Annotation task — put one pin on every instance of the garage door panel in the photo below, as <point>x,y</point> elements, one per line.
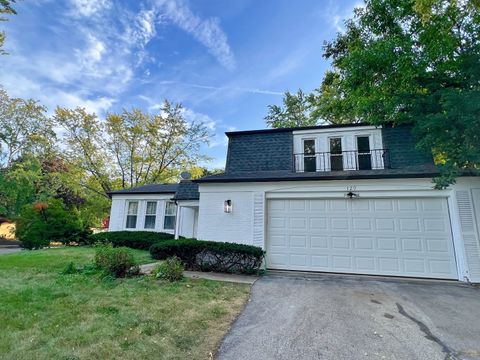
<point>406,237</point>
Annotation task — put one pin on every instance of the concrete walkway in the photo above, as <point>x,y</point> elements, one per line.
<point>241,279</point>
<point>356,318</point>
<point>9,250</point>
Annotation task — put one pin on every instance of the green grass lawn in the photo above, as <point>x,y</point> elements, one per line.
<point>47,315</point>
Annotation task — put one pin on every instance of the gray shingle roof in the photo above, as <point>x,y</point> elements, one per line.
<point>187,190</point>
<point>267,155</point>
<point>149,189</point>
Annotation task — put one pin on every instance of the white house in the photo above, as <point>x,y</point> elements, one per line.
<point>344,199</point>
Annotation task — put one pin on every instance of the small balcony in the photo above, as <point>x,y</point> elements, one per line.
<point>341,161</point>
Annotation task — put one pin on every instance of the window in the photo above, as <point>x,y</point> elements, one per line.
<point>150,215</point>
<point>336,156</point>
<point>132,215</point>
<point>169,221</point>
<point>309,156</point>
<point>364,155</point>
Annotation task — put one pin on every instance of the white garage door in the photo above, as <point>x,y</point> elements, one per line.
<point>403,237</point>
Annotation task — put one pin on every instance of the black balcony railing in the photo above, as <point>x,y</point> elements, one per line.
<point>342,161</point>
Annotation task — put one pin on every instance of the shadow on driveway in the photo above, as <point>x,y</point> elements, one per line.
<point>337,317</point>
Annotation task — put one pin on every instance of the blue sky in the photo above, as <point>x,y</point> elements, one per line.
<point>224,60</point>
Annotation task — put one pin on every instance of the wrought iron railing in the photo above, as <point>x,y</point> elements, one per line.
<point>342,161</point>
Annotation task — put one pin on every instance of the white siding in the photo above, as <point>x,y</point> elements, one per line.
<point>216,225</point>
<point>244,224</point>
<point>468,200</point>
<point>258,219</point>
<point>187,221</point>
<point>117,215</point>
<point>119,209</point>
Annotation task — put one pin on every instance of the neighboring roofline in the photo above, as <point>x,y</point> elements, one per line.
<point>266,131</point>
<point>119,192</point>
<point>324,177</point>
<point>111,193</point>
<point>185,199</point>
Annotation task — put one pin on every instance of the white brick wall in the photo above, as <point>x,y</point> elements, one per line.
<point>216,225</point>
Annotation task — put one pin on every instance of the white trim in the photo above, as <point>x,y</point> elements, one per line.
<point>460,258</point>
<point>363,194</point>
<point>340,129</point>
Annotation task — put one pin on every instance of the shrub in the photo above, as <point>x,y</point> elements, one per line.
<point>118,262</point>
<point>41,223</point>
<point>211,255</point>
<point>70,269</point>
<point>132,239</point>
<point>170,270</point>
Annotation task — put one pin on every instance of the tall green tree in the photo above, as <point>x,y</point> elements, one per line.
<point>133,147</point>
<point>405,62</point>
<point>296,111</point>
<point>6,8</point>
<point>411,62</point>
<point>24,129</point>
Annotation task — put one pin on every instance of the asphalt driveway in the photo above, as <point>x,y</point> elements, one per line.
<point>336,317</point>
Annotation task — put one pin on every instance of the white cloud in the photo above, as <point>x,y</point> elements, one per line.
<point>224,88</point>
<point>21,86</point>
<point>92,53</point>
<point>335,16</point>
<point>208,32</point>
<point>88,8</point>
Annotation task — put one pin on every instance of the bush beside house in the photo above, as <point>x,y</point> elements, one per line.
<point>42,223</point>
<point>142,240</point>
<point>211,255</point>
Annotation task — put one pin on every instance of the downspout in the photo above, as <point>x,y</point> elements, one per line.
<point>177,219</point>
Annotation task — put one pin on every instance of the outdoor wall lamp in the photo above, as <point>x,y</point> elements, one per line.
<point>351,195</point>
<point>227,206</point>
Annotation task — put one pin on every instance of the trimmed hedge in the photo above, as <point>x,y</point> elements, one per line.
<point>133,239</point>
<point>211,255</point>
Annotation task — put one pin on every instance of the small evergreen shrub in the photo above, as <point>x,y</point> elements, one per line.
<point>118,262</point>
<point>211,255</point>
<point>170,270</point>
<point>133,239</point>
<point>41,223</point>
<point>70,269</point>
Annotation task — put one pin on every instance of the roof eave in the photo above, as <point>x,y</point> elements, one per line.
<point>325,178</point>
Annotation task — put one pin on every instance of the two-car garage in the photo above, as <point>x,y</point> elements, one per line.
<point>381,236</point>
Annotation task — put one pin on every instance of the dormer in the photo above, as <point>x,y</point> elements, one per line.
<point>339,149</point>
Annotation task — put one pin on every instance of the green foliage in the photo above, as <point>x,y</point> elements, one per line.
<point>118,262</point>
<point>132,239</point>
<point>42,223</point>
<point>133,147</point>
<point>416,62</point>
<point>5,8</point>
<point>170,270</point>
<point>211,255</point>
<point>296,111</point>
<point>70,269</point>
<point>25,129</point>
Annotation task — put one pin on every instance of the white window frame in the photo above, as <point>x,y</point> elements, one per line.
<point>328,164</point>
<point>174,215</point>
<point>154,215</point>
<point>314,155</point>
<point>128,214</point>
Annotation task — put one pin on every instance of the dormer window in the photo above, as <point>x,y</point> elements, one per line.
<point>336,155</point>
<point>309,155</point>
<point>364,155</point>
<point>339,149</point>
